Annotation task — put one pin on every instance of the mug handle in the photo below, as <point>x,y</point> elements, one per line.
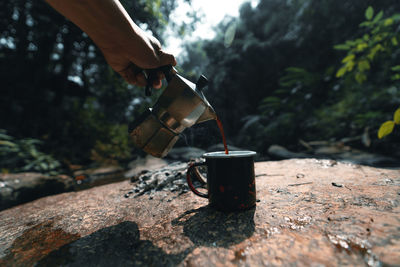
<point>193,169</point>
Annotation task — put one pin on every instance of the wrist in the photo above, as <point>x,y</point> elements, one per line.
<point>106,22</point>
<point>116,37</point>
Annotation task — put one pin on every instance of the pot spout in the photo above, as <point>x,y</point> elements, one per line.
<point>208,114</point>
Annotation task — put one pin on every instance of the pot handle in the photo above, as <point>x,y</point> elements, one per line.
<point>151,76</point>
<point>193,170</point>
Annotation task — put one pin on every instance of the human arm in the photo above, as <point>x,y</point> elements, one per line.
<point>126,47</point>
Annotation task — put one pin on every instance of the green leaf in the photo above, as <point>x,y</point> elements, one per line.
<point>341,47</point>
<point>4,136</point>
<point>377,38</point>
<point>348,58</point>
<point>34,153</point>
<point>295,70</point>
<point>378,17</point>
<point>396,17</point>
<point>43,166</point>
<point>28,166</point>
<point>281,91</point>
<point>351,43</point>
<point>385,129</point>
<point>396,68</point>
<point>388,22</point>
<point>395,77</point>
<point>363,65</point>
<point>394,41</point>
<point>369,13</point>
<point>361,47</point>
<point>350,65</point>
<point>360,77</point>
<point>271,99</point>
<point>7,143</point>
<point>365,24</point>
<point>374,50</point>
<point>341,72</point>
<point>397,116</point>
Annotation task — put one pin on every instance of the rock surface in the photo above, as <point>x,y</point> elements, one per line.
<point>336,152</point>
<point>282,153</point>
<point>88,178</point>
<point>20,188</point>
<point>310,213</point>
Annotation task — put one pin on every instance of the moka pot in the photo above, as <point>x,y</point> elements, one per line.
<point>181,105</point>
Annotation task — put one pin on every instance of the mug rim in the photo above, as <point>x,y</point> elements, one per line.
<point>232,154</point>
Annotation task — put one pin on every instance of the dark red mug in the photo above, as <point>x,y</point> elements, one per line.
<point>231,184</point>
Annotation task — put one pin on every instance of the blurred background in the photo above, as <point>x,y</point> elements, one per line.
<point>301,77</point>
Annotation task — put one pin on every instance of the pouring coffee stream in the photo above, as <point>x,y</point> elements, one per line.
<point>221,129</point>
<point>181,105</point>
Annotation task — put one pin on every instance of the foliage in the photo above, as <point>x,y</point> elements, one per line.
<point>388,126</point>
<point>115,148</point>
<point>59,88</point>
<point>379,42</point>
<point>19,155</point>
<point>380,37</point>
<point>294,92</point>
<point>276,80</point>
<point>272,76</point>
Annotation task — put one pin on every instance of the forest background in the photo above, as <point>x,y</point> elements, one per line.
<point>283,72</point>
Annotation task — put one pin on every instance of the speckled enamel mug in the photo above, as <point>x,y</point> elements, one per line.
<point>230,182</point>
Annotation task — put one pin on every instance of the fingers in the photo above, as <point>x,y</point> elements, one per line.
<point>155,79</point>
<point>166,59</point>
<point>135,76</point>
<point>129,75</point>
<point>141,79</point>
<point>163,57</point>
<point>158,82</point>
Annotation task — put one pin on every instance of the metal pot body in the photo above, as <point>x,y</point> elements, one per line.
<point>180,106</point>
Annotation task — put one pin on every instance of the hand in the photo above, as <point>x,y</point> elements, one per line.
<point>127,48</point>
<point>137,54</point>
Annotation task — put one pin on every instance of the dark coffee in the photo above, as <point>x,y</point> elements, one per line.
<point>221,129</point>
<point>230,180</point>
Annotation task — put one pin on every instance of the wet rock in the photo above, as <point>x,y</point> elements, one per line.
<point>355,156</point>
<point>311,224</point>
<point>336,152</point>
<point>279,152</point>
<point>88,178</point>
<point>364,158</point>
<point>20,188</point>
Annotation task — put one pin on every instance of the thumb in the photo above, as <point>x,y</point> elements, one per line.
<point>166,59</point>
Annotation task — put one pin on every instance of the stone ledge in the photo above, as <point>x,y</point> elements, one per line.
<point>18,188</point>
<point>311,212</point>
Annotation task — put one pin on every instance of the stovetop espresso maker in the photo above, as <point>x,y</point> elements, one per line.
<point>181,105</point>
